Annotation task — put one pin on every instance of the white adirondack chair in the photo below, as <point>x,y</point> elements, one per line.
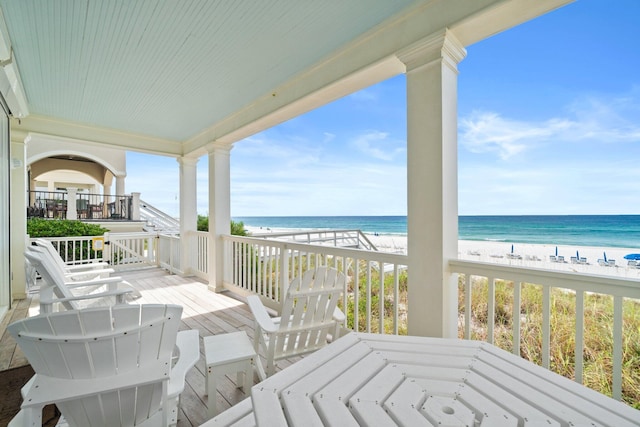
<point>57,290</point>
<point>106,366</point>
<point>75,272</point>
<point>309,314</point>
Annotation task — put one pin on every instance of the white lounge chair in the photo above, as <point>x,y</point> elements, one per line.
<point>75,272</point>
<point>309,315</point>
<point>77,294</point>
<point>108,366</point>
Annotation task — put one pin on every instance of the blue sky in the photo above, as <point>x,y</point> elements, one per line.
<point>549,123</point>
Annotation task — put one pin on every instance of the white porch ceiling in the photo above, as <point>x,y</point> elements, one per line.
<point>167,73</point>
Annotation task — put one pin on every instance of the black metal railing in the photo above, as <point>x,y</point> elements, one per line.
<point>54,204</point>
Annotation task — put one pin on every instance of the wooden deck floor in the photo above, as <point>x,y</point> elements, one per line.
<point>206,311</point>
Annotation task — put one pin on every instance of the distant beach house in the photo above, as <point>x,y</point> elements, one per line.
<point>71,179</point>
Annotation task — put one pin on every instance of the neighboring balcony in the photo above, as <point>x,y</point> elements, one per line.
<point>83,206</point>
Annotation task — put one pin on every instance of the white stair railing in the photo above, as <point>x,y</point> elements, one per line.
<point>158,219</point>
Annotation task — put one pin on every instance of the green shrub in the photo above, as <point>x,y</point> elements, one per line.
<point>69,251</point>
<point>203,223</point>
<point>237,228</point>
<point>38,227</point>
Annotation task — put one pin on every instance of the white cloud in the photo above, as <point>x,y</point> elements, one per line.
<point>601,120</point>
<point>489,132</point>
<point>364,95</point>
<point>378,145</point>
<point>328,137</point>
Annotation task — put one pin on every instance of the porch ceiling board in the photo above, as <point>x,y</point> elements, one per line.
<point>170,77</point>
<point>171,69</point>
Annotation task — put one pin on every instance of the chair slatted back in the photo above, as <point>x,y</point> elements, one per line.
<point>55,280</point>
<point>307,312</point>
<point>103,343</point>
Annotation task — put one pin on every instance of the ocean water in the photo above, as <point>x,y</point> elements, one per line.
<point>622,231</point>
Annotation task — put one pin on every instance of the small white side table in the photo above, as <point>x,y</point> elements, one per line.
<point>226,354</point>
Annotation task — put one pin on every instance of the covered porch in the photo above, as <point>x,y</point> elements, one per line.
<point>423,39</point>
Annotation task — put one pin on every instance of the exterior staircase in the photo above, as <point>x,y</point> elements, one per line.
<point>157,220</point>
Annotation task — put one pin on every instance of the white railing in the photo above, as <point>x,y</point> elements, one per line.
<point>76,249</point>
<point>131,250</point>
<point>341,238</point>
<point>266,267</point>
<point>169,253</point>
<point>581,286</point>
<point>199,240</point>
<point>158,219</point>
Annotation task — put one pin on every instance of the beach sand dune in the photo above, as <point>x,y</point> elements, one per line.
<point>531,255</point>
<point>524,254</point>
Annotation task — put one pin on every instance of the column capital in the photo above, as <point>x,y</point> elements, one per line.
<point>439,46</point>
<point>216,147</point>
<point>187,161</point>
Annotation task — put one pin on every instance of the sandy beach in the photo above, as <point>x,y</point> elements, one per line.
<point>524,254</point>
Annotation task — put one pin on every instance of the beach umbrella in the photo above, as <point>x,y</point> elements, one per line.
<point>512,248</point>
<point>605,257</point>
<point>556,251</point>
<point>635,257</point>
<point>578,254</point>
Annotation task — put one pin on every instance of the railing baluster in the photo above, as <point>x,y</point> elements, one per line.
<point>546,326</point>
<point>381,298</point>
<point>491,308</point>
<point>517,292</point>
<point>368,296</point>
<point>579,350</point>
<point>617,348</point>
<point>467,306</point>
<point>396,299</point>
<point>356,295</point>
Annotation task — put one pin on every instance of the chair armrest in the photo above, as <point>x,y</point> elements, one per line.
<point>189,346</point>
<point>115,293</point>
<point>338,315</point>
<point>89,266</point>
<point>87,275</point>
<point>95,282</point>
<point>260,314</point>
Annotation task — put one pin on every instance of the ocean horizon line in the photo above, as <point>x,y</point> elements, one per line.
<point>621,231</point>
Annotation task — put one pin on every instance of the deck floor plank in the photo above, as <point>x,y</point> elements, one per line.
<point>208,312</point>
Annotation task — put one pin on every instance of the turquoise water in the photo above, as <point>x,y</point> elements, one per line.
<point>621,231</point>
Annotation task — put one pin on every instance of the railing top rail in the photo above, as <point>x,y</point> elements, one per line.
<point>133,235</point>
<point>304,232</point>
<point>610,285</point>
<point>385,257</point>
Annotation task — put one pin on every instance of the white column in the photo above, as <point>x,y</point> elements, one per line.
<point>135,206</point>
<point>119,194</point>
<point>432,184</point>
<point>219,211</point>
<point>188,211</point>
<point>120,185</point>
<point>18,219</point>
<point>32,192</point>
<point>72,211</point>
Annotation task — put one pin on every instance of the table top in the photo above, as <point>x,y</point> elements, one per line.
<point>225,348</point>
<point>384,380</point>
